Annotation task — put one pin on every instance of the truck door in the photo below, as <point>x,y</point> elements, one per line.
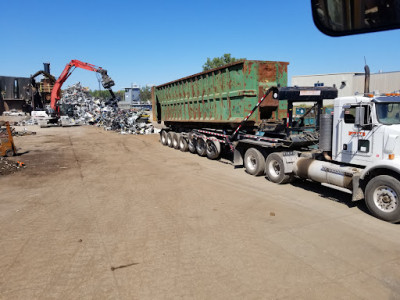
<point>356,142</point>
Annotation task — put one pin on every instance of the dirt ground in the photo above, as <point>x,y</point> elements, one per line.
<point>100,215</point>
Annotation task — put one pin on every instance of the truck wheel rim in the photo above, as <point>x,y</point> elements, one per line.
<point>211,148</point>
<point>251,162</point>
<point>386,199</point>
<point>274,169</point>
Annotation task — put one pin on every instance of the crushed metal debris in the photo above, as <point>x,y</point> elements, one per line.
<point>8,167</point>
<point>3,131</point>
<point>79,107</point>
<point>24,132</point>
<point>13,113</point>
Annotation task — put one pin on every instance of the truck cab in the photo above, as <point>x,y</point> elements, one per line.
<point>366,131</point>
<point>359,150</point>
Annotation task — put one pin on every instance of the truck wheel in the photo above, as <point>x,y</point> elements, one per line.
<point>183,144</point>
<point>169,138</point>
<point>213,149</point>
<point>382,198</point>
<point>175,140</point>
<point>254,162</point>
<point>163,137</point>
<point>201,147</point>
<point>275,169</point>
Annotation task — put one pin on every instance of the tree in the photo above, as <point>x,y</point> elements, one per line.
<point>219,61</point>
<point>105,94</point>
<point>145,94</point>
<point>101,94</point>
<point>120,94</point>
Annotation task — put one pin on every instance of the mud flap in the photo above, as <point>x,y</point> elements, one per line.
<point>358,193</point>
<point>237,158</point>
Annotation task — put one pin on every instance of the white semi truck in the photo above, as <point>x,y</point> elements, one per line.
<point>359,149</point>
<point>356,146</point>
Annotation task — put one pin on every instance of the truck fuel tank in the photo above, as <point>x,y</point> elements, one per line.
<point>325,172</point>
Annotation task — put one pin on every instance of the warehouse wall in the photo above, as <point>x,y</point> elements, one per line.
<point>349,84</point>
<point>380,82</point>
<point>343,82</point>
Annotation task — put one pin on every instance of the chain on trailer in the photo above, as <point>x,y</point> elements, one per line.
<point>275,95</point>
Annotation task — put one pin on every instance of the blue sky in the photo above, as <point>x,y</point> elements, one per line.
<point>153,42</point>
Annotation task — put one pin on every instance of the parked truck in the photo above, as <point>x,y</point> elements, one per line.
<point>245,110</point>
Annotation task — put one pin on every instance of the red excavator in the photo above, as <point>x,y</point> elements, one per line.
<point>106,81</point>
<point>53,115</point>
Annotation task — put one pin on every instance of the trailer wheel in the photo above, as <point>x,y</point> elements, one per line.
<point>201,147</point>
<point>175,140</point>
<point>382,198</point>
<point>213,149</point>
<point>275,169</point>
<point>254,162</point>
<point>192,144</point>
<point>163,138</point>
<point>183,144</point>
<point>169,138</point>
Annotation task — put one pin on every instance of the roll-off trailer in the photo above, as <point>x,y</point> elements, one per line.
<point>246,109</point>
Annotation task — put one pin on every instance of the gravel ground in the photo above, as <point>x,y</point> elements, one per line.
<point>98,215</point>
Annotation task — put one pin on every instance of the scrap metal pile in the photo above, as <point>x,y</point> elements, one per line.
<point>79,105</point>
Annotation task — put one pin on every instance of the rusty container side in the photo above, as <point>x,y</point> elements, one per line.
<point>223,95</point>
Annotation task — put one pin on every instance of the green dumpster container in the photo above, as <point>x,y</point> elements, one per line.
<point>221,97</point>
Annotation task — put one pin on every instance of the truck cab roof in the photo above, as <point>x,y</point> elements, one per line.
<point>386,99</point>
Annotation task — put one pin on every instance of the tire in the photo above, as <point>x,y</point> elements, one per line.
<point>275,169</point>
<point>169,138</point>
<point>201,147</point>
<point>163,137</point>
<point>213,149</point>
<point>192,144</point>
<point>254,162</point>
<point>175,140</point>
<point>382,198</point>
<point>183,144</point>
<point>9,153</point>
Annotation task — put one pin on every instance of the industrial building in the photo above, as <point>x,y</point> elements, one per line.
<point>15,92</point>
<point>132,94</point>
<point>132,97</point>
<point>349,84</point>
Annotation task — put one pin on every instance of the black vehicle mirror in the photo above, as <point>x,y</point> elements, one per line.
<point>345,17</point>
<point>360,116</point>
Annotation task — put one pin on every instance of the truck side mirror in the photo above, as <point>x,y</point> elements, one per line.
<point>360,116</point>
<point>339,17</point>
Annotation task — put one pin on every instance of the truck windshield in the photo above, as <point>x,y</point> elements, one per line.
<point>388,113</point>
